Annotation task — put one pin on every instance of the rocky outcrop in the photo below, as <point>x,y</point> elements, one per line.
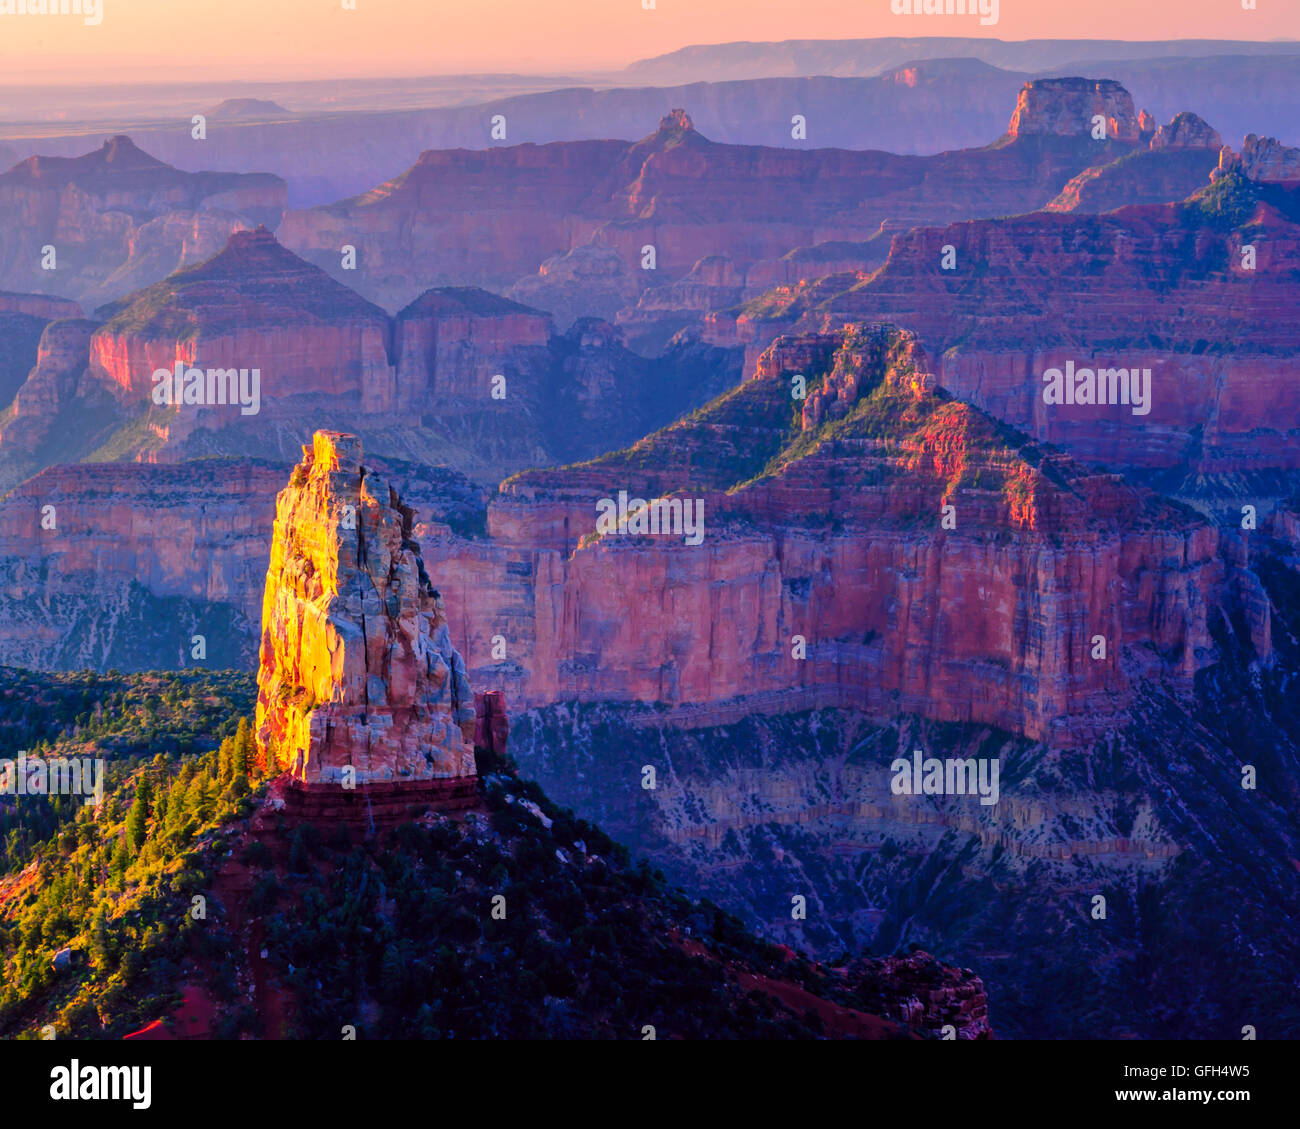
<point>491,723</point>
<point>1181,157</point>
<point>118,218</point>
<point>926,995</point>
<point>1068,107</point>
<point>23,320</point>
<point>450,343</point>
<point>358,682</point>
<point>1263,159</point>
<point>107,565</point>
<point>1187,131</point>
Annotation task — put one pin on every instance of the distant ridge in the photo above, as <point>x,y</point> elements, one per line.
<point>248,108</point>
<point>868,58</point>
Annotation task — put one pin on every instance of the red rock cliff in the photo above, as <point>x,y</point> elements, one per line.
<point>1159,287</point>
<point>358,682</point>
<point>834,533</point>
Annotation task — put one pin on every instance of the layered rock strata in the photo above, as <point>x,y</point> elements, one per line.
<point>1200,293</point>
<point>578,216</point>
<point>358,682</point>
<point>117,218</point>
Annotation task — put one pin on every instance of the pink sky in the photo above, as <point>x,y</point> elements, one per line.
<point>140,40</point>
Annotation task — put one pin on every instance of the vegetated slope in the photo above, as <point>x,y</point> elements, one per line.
<point>1200,291</point>
<point>189,907</point>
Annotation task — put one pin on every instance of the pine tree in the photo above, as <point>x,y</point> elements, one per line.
<point>392,972</point>
<point>120,861</point>
<point>200,800</point>
<point>242,758</point>
<point>100,941</point>
<point>137,819</point>
<point>169,808</point>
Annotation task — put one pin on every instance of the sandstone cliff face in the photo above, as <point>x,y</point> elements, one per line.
<point>23,319</point>
<point>254,305</point>
<point>118,218</point>
<point>61,360</point>
<point>39,306</point>
<point>1187,131</point>
<point>358,682</point>
<point>129,562</point>
<point>450,343</point>
<point>1043,558</point>
<point>1066,107</point>
<point>1264,159</point>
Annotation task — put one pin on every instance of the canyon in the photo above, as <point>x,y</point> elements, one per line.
<point>490,384</point>
<point>837,361</point>
<point>1198,291</point>
<point>118,218</point>
<point>614,229</point>
<point>492,217</point>
<point>1050,553</point>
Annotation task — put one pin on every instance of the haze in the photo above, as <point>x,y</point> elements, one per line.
<point>250,40</point>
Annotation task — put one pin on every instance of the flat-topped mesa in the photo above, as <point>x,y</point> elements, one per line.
<point>1067,107</point>
<point>38,306</point>
<point>358,681</point>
